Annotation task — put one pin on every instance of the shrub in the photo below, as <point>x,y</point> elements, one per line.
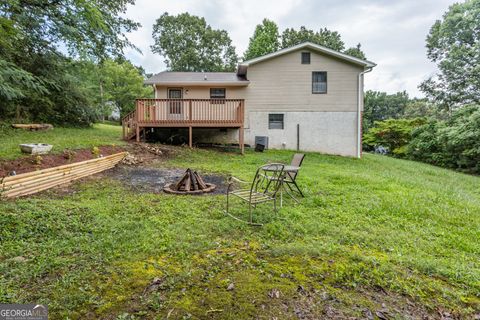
<point>424,145</point>
<point>393,134</point>
<point>96,152</point>
<point>454,143</point>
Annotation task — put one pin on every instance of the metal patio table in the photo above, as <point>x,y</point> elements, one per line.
<point>286,169</point>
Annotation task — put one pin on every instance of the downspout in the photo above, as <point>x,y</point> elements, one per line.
<point>359,112</point>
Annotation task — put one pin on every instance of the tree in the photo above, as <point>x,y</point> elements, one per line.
<point>330,39</point>
<point>380,106</point>
<point>112,84</point>
<point>93,28</point>
<point>393,134</point>
<point>454,45</point>
<point>356,52</point>
<point>324,37</point>
<point>453,143</point>
<point>264,41</point>
<point>64,101</point>
<point>327,38</point>
<point>37,82</point>
<point>123,83</point>
<point>188,43</point>
<point>423,108</point>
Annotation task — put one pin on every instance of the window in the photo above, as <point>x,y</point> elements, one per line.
<point>319,82</point>
<point>305,57</point>
<point>275,121</point>
<point>218,94</point>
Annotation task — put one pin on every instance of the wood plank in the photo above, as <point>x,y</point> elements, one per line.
<point>53,182</point>
<point>65,166</point>
<point>52,175</point>
<point>33,182</point>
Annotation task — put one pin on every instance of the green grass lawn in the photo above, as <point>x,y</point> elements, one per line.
<point>369,232</point>
<point>60,138</point>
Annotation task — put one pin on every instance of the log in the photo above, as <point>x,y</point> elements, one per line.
<point>194,181</point>
<point>32,126</point>
<point>188,181</point>
<point>180,182</point>
<point>200,181</point>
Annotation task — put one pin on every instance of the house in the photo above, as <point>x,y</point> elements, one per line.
<point>306,97</point>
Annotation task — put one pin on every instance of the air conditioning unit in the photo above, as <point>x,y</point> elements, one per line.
<point>261,143</point>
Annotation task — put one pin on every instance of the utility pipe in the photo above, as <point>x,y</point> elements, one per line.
<point>359,112</point>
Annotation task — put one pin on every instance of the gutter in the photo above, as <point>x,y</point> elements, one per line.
<point>242,83</point>
<point>359,112</point>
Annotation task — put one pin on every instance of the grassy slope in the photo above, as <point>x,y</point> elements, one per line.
<point>408,228</point>
<point>60,138</point>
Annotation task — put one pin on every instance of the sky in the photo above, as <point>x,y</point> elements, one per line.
<point>392,32</point>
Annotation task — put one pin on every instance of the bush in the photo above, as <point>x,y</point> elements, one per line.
<point>392,134</point>
<point>454,143</point>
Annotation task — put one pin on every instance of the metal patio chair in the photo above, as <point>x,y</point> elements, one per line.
<point>258,192</point>
<point>290,177</point>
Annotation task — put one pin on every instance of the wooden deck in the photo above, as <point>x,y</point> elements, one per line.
<point>184,113</point>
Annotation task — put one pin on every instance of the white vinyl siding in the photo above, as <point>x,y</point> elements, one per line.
<point>284,84</point>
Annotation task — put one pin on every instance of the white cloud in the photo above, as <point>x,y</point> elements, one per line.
<point>392,34</point>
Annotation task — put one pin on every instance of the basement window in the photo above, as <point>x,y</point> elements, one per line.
<point>305,57</point>
<point>275,121</point>
<point>319,82</point>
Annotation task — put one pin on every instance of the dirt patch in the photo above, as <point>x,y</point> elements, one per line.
<point>146,153</point>
<point>32,163</point>
<point>141,153</point>
<point>152,180</point>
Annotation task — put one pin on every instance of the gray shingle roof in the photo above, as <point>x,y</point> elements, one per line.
<point>201,78</point>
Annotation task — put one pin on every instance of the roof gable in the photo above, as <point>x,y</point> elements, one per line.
<point>313,47</point>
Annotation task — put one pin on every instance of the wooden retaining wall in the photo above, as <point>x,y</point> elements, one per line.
<point>35,181</point>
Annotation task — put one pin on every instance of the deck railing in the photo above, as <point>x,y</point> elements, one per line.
<point>129,125</point>
<point>190,112</point>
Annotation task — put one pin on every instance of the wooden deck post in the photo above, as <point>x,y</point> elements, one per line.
<point>190,136</point>
<point>241,140</point>
<point>137,118</point>
<point>241,131</point>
